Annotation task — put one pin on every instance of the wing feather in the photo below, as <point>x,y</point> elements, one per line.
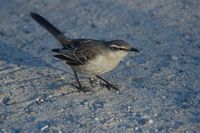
<point>79,52</point>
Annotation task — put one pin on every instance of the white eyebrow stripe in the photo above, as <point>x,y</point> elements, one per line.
<point>116,46</point>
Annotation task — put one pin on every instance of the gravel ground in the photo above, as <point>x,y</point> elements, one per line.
<point>159,86</point>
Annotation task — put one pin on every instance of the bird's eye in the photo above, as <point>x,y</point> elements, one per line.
<point>114,48</point>
<point>123,49</point>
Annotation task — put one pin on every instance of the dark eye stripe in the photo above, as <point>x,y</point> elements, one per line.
<point>123,49</point>
<point>115,48</point>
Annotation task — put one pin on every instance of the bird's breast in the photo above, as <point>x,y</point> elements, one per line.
<point>100,64</point>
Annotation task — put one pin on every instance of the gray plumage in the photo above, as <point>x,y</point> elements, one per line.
<point>87,56</point>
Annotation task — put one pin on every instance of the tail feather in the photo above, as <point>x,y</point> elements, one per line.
<point>62,57</point>
<point>56,50</point>
<point>68,60</point>
<point>52,29</point>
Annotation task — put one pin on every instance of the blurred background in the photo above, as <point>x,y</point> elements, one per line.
<point>159,86</point>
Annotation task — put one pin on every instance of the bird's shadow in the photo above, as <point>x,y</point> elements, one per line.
<point>15,60</point>
<point>10,54</point>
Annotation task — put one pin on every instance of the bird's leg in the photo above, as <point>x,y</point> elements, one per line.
<point>77,79</point>
<point>80,88</point>
<point>109,85</point>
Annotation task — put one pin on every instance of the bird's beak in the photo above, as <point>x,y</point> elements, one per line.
<point>133,50</point>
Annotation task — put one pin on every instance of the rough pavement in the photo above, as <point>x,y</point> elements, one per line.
<point>159,86</point>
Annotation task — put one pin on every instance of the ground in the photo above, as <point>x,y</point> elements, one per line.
<point>159,87</point>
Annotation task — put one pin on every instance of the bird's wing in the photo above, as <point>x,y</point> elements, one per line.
<point>79,52</point>
<point>68,60</point>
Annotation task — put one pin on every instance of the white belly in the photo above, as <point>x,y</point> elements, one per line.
<point>99,65</point>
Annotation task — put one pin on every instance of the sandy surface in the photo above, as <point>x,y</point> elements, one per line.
<point>160,86</point>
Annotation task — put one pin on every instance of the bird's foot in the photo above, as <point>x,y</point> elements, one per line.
<point>83,89</point>
<point>112,87</point>
<point>108,85</point>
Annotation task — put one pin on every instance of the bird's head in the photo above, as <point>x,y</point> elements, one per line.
<point>121,47</point>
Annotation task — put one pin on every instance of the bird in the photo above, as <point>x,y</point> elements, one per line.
<point>89,57</point>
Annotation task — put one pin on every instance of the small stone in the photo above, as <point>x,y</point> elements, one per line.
<point>62,110</point>
<point>39,100</point>
<point>45,127</point>
<point>62,77</point>
<point>163,97</point>
<point>50,96</point>
<point>136,128</point>
<point>150,121</point>
<point>129,108</point>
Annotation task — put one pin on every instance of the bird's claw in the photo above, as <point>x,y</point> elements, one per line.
<point>112,87</point>
<point>83,89</point>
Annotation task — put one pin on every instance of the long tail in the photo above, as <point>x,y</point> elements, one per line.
<point>52,29</point>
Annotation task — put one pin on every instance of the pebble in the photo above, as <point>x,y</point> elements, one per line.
<point>50,96</point>
<point>129,108</point>
<point>163,97</point>
<point>39,100</point>
<point>150,121</point>
<point>136,128</point>
<point>45,127</point>
<point>175,111</point>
